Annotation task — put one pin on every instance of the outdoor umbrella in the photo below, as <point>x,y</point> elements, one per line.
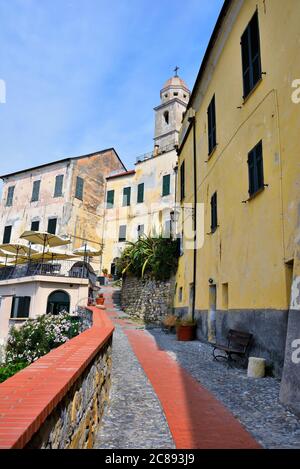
<point>17,249</point>
<point>45,239</point>
<point>6,255</point>
<point>87,251</point>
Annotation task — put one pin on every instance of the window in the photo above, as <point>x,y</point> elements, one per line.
<point>52,222</point>
<point>122,233</point>
<point>225,295</point>
<point>20,307</point>
<point>182,181</point>
<point>140,230</point>
<point>110,199</point>
<point>10,196</point>
<point>180,294</point>
<point>79,188</point>
<point>35,191</point>
<point>166,185</point>
<point>59,180</point>
<point>35,225</point>
<point>126,196</point>
<point>251,61</point>
<point>140,193</point>
<point>175,93</point>
<point>167,229</point>
<point>214,213</point>
<point>7,234</point>
<point>166,117</point>
<point>211,121</point>
<point>255,169</point>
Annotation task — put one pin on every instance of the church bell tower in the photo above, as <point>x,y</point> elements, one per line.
<point>174,97</point>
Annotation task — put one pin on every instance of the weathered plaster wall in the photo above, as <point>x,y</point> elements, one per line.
<point>152,213</point>
<point>83,220</point>
<point>147,299</point>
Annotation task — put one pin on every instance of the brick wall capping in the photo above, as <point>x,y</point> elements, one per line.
<point>29,397</point>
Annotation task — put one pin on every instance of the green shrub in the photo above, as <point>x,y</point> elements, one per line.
<point>6,371</point>
<point>37,337</point>
<point>156,257</point>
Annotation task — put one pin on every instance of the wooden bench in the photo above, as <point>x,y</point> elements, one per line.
<point>238,343</point>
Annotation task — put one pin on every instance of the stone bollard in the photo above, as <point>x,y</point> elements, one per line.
<point>256,367</point>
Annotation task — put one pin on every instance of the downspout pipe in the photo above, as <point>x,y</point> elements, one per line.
<point>192,120</point>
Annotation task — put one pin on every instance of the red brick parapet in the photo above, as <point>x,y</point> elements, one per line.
<point>28,398</point>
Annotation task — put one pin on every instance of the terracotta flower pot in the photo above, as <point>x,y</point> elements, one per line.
<point>100,300</point>
<point>185,333</point>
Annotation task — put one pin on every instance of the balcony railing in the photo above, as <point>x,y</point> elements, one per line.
<point>73,269</point>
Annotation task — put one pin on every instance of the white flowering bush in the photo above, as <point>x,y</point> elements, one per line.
<point>37,337</point>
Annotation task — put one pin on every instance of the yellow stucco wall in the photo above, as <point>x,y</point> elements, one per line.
<point>254,240</point>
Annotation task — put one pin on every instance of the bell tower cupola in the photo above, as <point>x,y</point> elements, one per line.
<point>174,97</point>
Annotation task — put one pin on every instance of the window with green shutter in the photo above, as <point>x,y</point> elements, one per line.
<point>182,181</point>
<point>166,185</point>
<point>126,196</point>
<point>58,185</point>
<point>122,233</point>
<point>251,60</point>
<point>7,234</point>
<point>20,307</point>
<point>52,223</point>
<point>256,169</point>
<point>10,196</point>
<point>79,188</point>
<point>211,120</point>
<point>35,191</point>
<point>110,199</point>
<point>140,193</point>
<point>214,213</point>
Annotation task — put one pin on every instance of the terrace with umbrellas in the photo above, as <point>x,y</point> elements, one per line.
<point>41,275</point>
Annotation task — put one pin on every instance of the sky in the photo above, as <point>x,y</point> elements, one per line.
<point>82,76</point>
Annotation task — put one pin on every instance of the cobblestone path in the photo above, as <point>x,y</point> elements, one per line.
<point>255,402</point>
<point>134,418</point>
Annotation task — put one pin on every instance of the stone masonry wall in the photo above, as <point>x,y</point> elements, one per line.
<point>147,299</point>
<point>76,419</point>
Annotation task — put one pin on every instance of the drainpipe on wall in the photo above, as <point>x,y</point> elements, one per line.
<point>192,120</point>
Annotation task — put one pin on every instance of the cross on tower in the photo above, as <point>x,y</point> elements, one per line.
<point>176,71</point>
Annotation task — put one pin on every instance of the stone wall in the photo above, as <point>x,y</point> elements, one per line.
<point>147,299</point>
<point>76,419</point>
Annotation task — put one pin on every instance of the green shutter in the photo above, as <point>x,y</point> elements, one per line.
<point>140,194</point>
<point>126,196</point>
<point>35,191</point>
<point>166,185</point>
<point>79,188</point>
<point>110,199</point>
<point>10,196</point>
<point>58,185</point>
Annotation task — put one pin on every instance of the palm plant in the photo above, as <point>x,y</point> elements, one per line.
<point>156,256</point>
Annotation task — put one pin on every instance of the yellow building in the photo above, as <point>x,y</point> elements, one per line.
<point>140,201</point>
<point>239,157</point>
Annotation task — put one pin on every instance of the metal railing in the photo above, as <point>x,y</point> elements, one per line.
<point>73,269</point>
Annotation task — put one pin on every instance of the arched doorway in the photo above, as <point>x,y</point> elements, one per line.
<point>58,301</point>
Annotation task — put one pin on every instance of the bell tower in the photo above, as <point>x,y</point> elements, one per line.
<point>174,97</point>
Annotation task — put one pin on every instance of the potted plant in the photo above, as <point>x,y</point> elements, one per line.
<point>186,329</point>
<point>169,323</point>
<point>105,272</point>
<point>100,299</point>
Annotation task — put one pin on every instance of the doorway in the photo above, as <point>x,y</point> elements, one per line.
<point>58,301</point>
<point>212,313</point>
